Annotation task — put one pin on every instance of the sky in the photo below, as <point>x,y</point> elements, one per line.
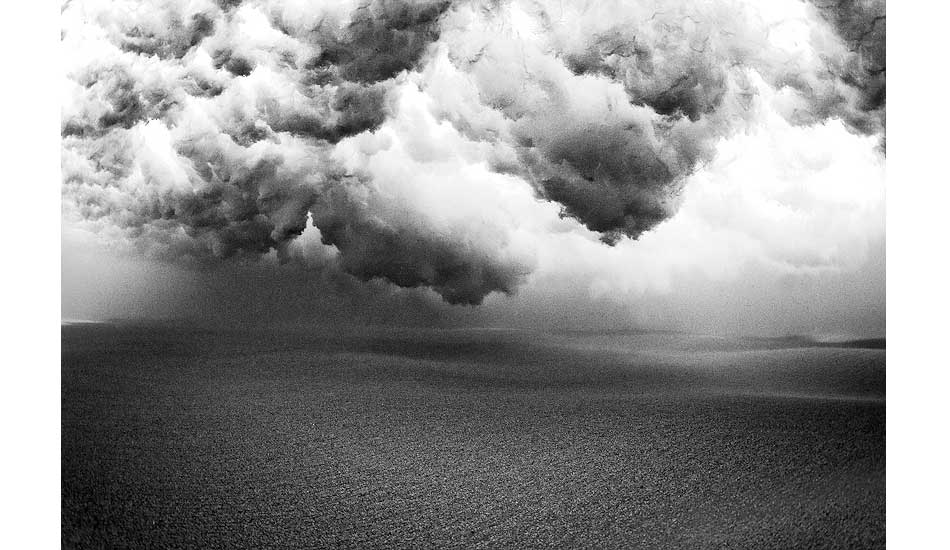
<point>713,168</point>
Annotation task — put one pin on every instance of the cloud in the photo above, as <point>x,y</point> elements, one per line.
<point>456,145</point>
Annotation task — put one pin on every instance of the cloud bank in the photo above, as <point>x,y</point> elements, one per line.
<point>479,147</point>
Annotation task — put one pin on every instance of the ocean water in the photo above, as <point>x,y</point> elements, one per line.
<point>179,437</point>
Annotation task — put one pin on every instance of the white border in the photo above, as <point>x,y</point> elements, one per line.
<point>30,185</point>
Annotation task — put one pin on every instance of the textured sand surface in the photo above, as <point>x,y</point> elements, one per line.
<point>183,438</point>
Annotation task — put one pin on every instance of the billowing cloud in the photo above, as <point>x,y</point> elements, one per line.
<point>459,145</point>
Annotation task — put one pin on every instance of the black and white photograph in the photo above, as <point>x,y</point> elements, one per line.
<point>468,273</point>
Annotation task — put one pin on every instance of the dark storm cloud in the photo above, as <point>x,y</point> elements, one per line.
<point>173,41</point>
<point>621,177</point>
<point>861,24</point>
<point>620,172</point>
<point>353,108</point>
<point>206,130</point>
<point>238,192</point>
<point>697,88</point>
<point>383,39</point>
<point>460,272</point>
<point>610,177</point>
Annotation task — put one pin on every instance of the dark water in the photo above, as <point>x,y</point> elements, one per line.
<point>184,438</point>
